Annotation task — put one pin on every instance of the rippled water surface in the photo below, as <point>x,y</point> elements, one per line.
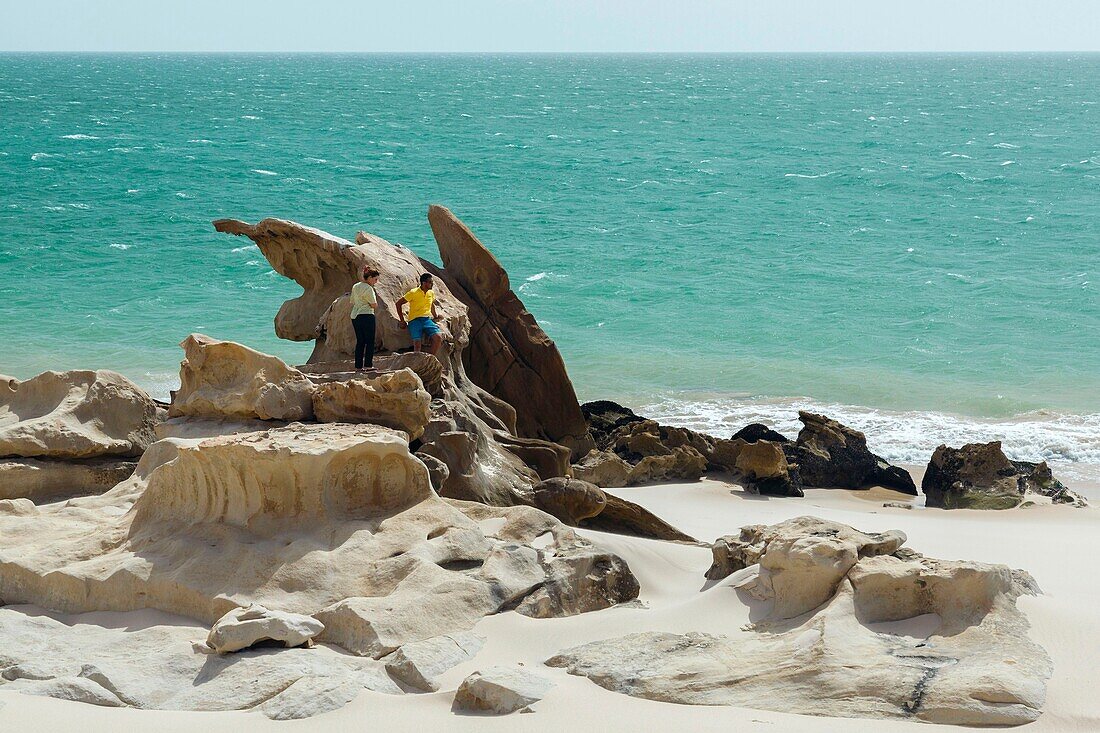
<point>909,238</point>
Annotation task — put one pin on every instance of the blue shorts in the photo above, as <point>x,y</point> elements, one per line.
<point>423,327</point>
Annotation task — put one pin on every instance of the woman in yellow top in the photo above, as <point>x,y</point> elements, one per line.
<point>422,315</point>
<point>364,302</point>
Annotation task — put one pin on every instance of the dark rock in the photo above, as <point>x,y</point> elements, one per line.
<point>980,476</point>
<point>832,455</point>
<point>756,431</point>
<point>605,417</point>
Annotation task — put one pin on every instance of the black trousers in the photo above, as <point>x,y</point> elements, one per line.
<point>364,340</point>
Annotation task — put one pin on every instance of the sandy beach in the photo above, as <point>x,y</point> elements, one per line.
<point>1053,543</point>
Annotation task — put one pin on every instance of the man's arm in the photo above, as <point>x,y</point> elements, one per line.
<point>400,311</point>
<point>435,314</point>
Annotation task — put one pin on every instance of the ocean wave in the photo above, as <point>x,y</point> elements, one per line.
<point>807,175</point>
<point>1069,442</point>
<point>79,136</point>
<point>262,172</point>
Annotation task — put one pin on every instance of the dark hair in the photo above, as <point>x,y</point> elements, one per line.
<point>425,277</point>
<point>369,272</point>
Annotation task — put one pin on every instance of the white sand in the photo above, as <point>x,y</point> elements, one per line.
<point>1055,544</point>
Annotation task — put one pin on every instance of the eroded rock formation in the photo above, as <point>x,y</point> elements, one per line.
<point>474,433</point>
<point>334,521</point>
<point>980,476</point>
<point>72,433</point>
<point>831,602</point>
<point>224,379</point>
<point>826,454</point>
<point>74,415</point>
<point>395,399</point>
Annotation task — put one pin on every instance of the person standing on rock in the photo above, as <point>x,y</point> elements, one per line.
<point>364,302</point>
<point>422,315</point>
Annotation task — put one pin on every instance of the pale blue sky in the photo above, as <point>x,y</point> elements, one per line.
<point>550,25</point>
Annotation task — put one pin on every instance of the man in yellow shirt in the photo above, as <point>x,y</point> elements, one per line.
<point>422,315</point>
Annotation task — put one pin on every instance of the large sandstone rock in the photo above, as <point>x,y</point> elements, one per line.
<point>501,690</point>
<point>335,521</point>
<point>393,399</point>
<point>804,558</point>
<point>472,432</point>
<point>964,657</point>
<point>244,627</point>
<point>223,379</point>
<point>980,476</point>
<point>510,355</point>
<point>74,415</point>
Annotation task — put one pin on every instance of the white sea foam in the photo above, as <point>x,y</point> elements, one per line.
<point>806,175</point>
<point>537,276</point>
<point>120,246</point>
<point>249,117</point>
<point>245,248</point>
<point>262,172</point>
<point>40,156</point>
<point>79,137</point>
<point>1006,146</point>
<point>1069,442</point>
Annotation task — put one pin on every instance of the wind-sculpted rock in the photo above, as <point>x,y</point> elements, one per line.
<point>510,355</point>
<point>335,521</point>
<point>395,400</point>
<point>829,600</point>
<point>830,455</point>
<point>471,431</point>
<point>75,415</point>
<point>244,627</point>
<point>223,379</point>
<point>980,476</point>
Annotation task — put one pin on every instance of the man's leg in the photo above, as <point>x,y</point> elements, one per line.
<point>416,345</point>
<point>434,344</point>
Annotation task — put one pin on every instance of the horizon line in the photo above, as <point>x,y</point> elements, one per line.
<point>804,52</point>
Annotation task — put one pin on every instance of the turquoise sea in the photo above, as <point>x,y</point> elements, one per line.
<point>909,242</point>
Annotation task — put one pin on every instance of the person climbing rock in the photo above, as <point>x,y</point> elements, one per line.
<point>422,314</point>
